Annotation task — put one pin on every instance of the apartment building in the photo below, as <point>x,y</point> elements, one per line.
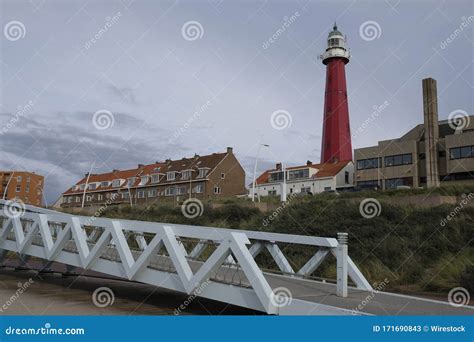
<point>22,185</point>
<point>431,154</point>
<point>217,175</point>
<point>309,178</point>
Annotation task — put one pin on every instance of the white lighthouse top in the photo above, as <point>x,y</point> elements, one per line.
<point>336,47</point>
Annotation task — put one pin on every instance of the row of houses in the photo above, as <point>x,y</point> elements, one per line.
<point>204,177</point>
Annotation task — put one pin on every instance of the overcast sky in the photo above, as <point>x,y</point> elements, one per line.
<point>176,78</point>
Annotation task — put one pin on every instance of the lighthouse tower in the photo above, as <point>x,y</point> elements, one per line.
<point>336,143</point>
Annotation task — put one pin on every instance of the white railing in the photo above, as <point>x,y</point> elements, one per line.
<point>178,257</point>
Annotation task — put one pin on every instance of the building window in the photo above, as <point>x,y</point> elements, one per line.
<point>461,152</point>
<point>298,174</point>
<point>28,179</point>
<point>217,190</point>
<point>155,178</point>
<point>82,186</point>
<point>27,188</point>
<point>185,175</point>
<point>170,175</point>
<point>305,190</point>
<point>276,176</point>
<point>144,180</point>
<point>327,188</point>
<point>198,189</point>
<point>88,198</point>
<point>203,172</point>
<point>371,163</point>
<point>18,188</point>
<point>125,195</point>
<point>18,179</point>
<point>78,199</point>
<point>105,184</point>
<point>100,197</point>
<point>152,193</point>
<point>170,191</point>
<point>92,186</point>
<point>346,177</point>
<point>222,175</point>
<point>131,181</point>
<point>141,194</point>
<point>400,159</point>
<point>272,192</point>
<point>116,183</point>
<point>393,183</point>
<point>182,190</point>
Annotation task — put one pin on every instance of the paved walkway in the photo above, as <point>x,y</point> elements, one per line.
<point>53,294</point>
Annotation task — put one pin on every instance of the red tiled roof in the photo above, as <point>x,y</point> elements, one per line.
<point>195,163</point>
<point>324,170</point>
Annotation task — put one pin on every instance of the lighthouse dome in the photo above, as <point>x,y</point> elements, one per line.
<point>335,31</point>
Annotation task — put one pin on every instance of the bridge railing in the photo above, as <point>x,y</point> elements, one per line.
<point>179,257</point>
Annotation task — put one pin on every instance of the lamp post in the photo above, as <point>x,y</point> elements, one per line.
<point>255,170</point>
<point>8,183</point>
<point>85,187</point>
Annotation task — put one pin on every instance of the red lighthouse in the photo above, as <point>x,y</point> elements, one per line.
<point>336,143</point>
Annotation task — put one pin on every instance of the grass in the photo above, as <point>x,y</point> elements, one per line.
<point>408,246</point>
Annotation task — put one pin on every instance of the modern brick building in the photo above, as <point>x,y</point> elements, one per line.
<point>216,175</point>
<point>431,154</point>
<point>23,185</point>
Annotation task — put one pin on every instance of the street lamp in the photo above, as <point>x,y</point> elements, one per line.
<point>255,170</point>
<point>87,183</point>
<point>8,183</point>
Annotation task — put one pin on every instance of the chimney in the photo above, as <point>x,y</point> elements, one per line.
<point>309,162</point>
<point>229,150</point>
<point>278,166</point>
<point>140,165</point>
<point>430,114</point>
<point>115,170</point>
